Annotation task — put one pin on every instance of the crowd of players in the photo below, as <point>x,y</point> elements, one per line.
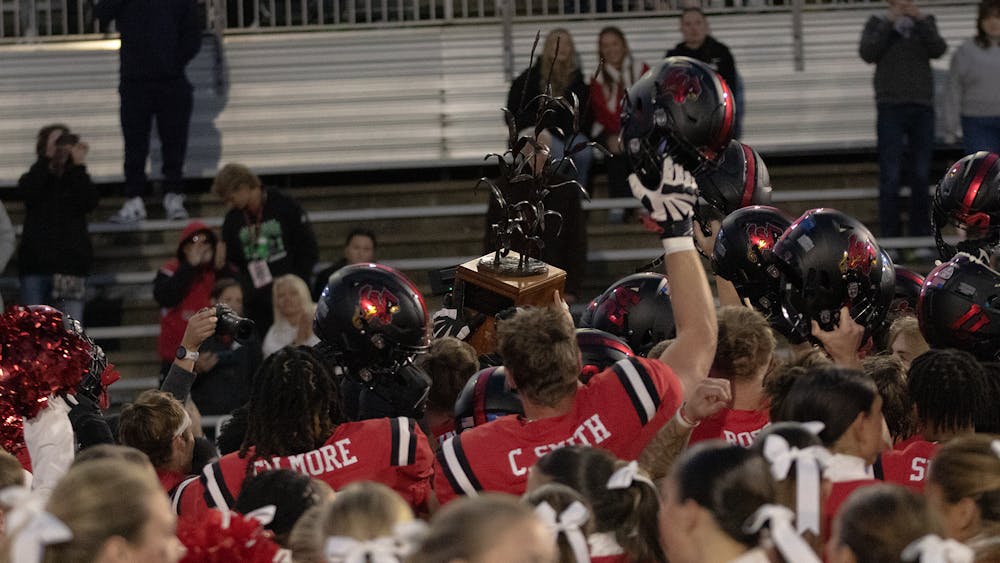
<point>831,406</point>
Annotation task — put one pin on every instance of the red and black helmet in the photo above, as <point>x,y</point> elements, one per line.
<point>679,107</point>
<point>599,350</point>
<point>370,315</point>
<point>636,309</point>
<point>968,197</point>
<point>485,397</point>
<point>908,284</point>
<point>738,179</point>
<point>744,255</point>
<point>828,260</point>
<point>959,307</point>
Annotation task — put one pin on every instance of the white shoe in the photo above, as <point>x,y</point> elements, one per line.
<point>133,211</point>
<point>173,204</point>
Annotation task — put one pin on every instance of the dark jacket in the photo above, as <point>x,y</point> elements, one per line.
<point>527,116</point>
<point>903,69</point>
<point>713,53</point>
<point>55,238</point>
<point>159,37</point>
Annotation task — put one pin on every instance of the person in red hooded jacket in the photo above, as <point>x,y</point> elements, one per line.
<point>184,284</point>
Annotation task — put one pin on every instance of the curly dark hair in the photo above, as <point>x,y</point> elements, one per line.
<point>949,389</point>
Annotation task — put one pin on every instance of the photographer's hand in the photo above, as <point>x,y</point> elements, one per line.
<point>200,326</point>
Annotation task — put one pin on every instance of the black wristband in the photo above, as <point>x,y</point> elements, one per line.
<point>671,229</point>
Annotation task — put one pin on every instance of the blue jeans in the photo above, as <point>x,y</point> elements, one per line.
<point>37,290</point>
<point>981,134</point>
<point>582,159</point>
<point>899,125</point>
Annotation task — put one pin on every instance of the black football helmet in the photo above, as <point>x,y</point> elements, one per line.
<point>829,260</point>
<point>485,397</point>
<point>738,179</point>
<point>636,309</point>
<point>680,107</point>
<point>370,314</point>
<point>744,255</point>
<point>968,198</point>
<point>907,284</point>
<point>959,307</point>
<point>599,350</point>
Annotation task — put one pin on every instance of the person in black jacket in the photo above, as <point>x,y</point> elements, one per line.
<point>159,38</point>
<point>699,44</point>
<point>558,67</point>
<point>267,235</point>
<point>55,254</point>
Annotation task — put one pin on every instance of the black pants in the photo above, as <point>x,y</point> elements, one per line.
<point>170,102</point>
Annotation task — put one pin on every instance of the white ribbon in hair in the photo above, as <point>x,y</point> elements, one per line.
<point>569,523</point>
<point>626,475</point>
<point>995,444</point>
<point>264,514</point>
<point>386,549</point>
<point>789,542</point>
<point>932,549</point>
<point>32,528</point>
<point>809,463</point>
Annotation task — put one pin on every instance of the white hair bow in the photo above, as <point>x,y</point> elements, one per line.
<point>569,523</point>
<point>789,542</point>
<point>932,549</point>
<point>809,463</point>
<point>995,444</point>
<point>264,514</point>
<point>386,549</point>
<point>31,526</point>
<point>626,475</point>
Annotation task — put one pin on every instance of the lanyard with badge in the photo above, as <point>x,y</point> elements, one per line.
<point>260,273</point>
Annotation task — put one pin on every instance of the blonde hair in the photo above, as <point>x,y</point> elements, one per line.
<point>907,325</point>
<point>150,423</point>
<point>98,500</point>
<point>300,287</point>
<point>365,511</point>
<point>232,176</point>
<point>968,467</point>
<point>746,343</point>
<point>306,537</point>
<point>561,75</point>
<point>467,527</point>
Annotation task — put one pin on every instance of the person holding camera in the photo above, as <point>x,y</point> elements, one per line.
<point>55,254</point>
<point>184,284</point>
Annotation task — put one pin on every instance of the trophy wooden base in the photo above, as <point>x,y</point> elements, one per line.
<point>488,292</point>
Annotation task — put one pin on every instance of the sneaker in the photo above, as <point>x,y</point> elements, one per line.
<point>173,204</point>
<point>133,211</point>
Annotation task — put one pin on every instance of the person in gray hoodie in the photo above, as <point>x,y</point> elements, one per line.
<point>972,100</point>
<point>901,42</point>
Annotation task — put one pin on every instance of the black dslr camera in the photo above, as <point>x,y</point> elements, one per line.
<point>231,324</point>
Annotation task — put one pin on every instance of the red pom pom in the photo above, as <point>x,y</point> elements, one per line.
<point>39,357</point>
<point>210,539</point>
<point>11,429</point>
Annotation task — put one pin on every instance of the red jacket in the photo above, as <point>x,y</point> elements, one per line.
<point>605,102</point>
<point>181,291</point>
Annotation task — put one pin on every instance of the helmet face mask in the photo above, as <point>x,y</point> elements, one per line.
<point>968,199</point>
<point>959,307</point>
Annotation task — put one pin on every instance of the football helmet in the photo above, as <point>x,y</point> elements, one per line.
<point>968,198</point>
<point>371,316</point>
<point>829,260</point>
<point>744,255</point>
<point>636,309</point>
<point>738,179</point>
<point>907,284</point>
<point>598,350</point>
<point>680,107</point>
<point>485,397</point>
<point>959,307</point>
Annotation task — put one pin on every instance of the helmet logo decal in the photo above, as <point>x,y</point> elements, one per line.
<point>682,84</point>
<point>860,256</point>
<point>761,237</point>
<point>375,306</point>
<point>621,301</point>
<point>976,315</point>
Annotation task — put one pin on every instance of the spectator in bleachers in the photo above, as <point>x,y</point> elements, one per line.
<point>7,242</point>
<point>901,43</point>
<point>225,367</point>
<point>184,284</point>
<point>972,102</point>
<point>156,46</point>
<point>359,248</point>
<point>55,254</point>
<point>607,89</point>
<point>558,68</point>
<point>267,235</point>
<point>699,44</point>
<point>293,316</point>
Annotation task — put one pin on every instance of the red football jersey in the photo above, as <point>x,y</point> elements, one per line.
<point>838,494</point>
<point>443,431</point>
<point>619,410</point>
<point>909,467</point>
<point>738,427</point>
<point>391,451</point>
<point>903,444</point>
